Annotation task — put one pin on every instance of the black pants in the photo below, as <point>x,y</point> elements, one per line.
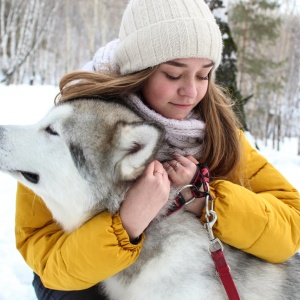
<point>43,293</point>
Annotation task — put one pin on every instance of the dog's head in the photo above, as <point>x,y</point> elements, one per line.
<point>84,151</point>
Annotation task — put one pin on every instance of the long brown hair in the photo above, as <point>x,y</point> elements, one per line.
<point>222,150</point>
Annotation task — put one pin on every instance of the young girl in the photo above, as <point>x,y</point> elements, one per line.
<point>163,64</point>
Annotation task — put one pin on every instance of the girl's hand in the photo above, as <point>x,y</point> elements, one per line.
<point>181,171</point>
<point>144,199</point>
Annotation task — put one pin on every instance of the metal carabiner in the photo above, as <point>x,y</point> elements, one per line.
<point>210,223</point>
<point>207,201</point>
<point>214,243</point>
<point>211,217</point>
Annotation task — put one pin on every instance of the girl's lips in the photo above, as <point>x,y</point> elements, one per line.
<point>183,106</point>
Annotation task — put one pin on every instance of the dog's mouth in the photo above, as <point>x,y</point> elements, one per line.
<point>31,177</point>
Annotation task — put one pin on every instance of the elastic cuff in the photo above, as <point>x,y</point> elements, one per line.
<point>122,235</point>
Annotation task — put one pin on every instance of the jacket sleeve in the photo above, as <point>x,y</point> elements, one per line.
<point>261,218</point>
<point>98,249</point>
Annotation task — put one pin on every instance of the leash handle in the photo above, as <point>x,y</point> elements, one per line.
<point>200,179</point>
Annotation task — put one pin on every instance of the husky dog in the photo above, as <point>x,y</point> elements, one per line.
<point>85,154</point>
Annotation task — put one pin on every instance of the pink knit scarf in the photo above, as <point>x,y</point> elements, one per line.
<point>186,136</point>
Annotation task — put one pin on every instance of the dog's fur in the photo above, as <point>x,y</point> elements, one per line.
<point>82,157</point>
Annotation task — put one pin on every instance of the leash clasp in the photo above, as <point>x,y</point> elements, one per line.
<point>214,243</point>
<point>210,215</point>
<point>210,223</point>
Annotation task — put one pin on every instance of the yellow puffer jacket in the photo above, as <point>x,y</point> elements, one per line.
<point>264,221</point>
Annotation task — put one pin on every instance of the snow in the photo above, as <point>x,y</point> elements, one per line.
<point>27,104</point>
<point>18,105</point>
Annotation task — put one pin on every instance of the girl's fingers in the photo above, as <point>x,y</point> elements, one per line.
<point>185,161</point>
<point>155,168</point>
<point>192,159</point>
<point>181,169</point>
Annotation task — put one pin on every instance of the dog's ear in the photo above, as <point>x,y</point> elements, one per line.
<point>135,146</point>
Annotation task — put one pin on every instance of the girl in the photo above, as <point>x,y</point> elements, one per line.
<point>163,64</point>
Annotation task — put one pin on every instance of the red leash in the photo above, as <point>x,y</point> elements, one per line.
<point>201,179</point>
<point>216,247</point>
<point>225,275</point>
<point>216,251</point>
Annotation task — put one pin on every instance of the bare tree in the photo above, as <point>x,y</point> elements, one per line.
<point>23,32</point>
<point>273,111</point>
<point>39,42</point>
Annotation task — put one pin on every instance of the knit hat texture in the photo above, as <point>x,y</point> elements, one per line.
<point>156,31</point>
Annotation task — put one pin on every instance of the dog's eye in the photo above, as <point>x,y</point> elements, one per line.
<point>51,131</point>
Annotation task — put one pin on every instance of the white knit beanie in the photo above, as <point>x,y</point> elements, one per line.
<point>156,31</point>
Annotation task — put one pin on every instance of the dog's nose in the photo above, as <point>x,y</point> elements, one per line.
<point>31,177</point>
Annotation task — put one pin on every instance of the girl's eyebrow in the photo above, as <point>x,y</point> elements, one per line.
<point>209,65</point>
<point>182,65</point>
<point>176,64</point>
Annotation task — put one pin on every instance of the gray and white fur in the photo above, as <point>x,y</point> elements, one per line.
<point>82,157</point>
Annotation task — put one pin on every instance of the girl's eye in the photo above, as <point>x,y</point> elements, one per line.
<point>203,78</point>
<point>51,131</point>
<point>172,77</point>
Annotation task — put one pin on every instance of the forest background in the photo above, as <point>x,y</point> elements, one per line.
<point>42,40</point>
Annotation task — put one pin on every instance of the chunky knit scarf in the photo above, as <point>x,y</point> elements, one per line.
<point>185,136</point>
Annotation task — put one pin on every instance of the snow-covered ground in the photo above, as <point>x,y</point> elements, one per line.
<point>18,105</point>
<point>27,104</point>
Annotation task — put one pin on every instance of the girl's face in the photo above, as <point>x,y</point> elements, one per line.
<point>177,86</point>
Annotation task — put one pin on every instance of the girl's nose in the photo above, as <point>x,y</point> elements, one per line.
<point>189,89</point>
